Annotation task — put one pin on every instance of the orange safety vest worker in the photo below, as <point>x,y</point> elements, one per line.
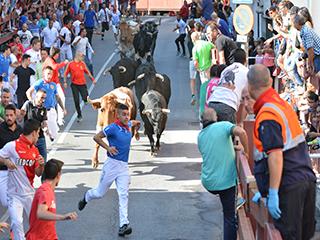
<point>277,127</point>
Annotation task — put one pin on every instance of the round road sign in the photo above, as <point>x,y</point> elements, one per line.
<point>243,19</point>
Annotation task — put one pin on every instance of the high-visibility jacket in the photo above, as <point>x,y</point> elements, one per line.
<point>271,107</point>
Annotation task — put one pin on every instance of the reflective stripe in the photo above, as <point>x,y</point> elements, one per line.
<point>290,142</point>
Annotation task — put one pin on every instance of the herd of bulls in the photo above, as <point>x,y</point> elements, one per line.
<point>152,89</point>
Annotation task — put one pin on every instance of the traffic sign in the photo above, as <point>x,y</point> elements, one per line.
<point>243,19</point>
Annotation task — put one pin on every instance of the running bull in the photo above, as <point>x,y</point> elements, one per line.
<point>154,117</point>
<point>106,106</point>
<point>153,91</point>
<point>144,41</point>
<point>122,72</point>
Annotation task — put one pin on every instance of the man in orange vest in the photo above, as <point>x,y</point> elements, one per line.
<point>282,168</point>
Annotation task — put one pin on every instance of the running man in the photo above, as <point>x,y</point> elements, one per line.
<point>77,68</point>
<point>115,168</point>
<point>43,214</point>
<point>24,162</point>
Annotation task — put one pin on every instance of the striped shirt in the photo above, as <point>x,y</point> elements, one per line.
<point>310,39</point>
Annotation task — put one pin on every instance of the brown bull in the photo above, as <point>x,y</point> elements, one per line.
<point>107,112</point>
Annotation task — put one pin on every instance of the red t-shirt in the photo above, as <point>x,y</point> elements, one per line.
<point>77,71</point>
<point>42,229</point>
<point>55,66</point>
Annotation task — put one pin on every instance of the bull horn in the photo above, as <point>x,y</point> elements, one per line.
<point>122,69</point>
<point>145,111</point>
<point>158,75</point>
<point>141,76</point>
<point>165,110</point>
<point>149,33</point>
<point>131,83</point>
<point>106,71</point>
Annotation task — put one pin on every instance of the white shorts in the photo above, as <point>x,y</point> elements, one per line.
<point>192,70</point>
<point>4,188</point>
<point>115,29</point>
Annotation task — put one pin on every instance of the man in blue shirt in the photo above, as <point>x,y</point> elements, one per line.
<point>4,65</point>
<point>89,17</point>
<point>311,43</point>
<point>218,173</point>
<point>115,168</point>
<point>207,9</point>
<point>181,26</point>
<point>50,103</point>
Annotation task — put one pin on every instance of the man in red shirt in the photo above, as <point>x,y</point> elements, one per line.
<point>23,160</point>
<point>184,11</point>
<point>77,68</point>
<point>43,214</point>
<point>17,42</point>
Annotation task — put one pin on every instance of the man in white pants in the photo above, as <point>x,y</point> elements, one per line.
<point>24,162</point>
<point>115,168</point>
<point>51,101</point>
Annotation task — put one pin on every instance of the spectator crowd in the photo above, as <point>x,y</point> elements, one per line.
<point>277,86</point>
<point>56,42</point>
<point>51,49</point>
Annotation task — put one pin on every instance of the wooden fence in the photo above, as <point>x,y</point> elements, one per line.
<point>254,220</point>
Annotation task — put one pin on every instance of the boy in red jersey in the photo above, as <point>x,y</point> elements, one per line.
<point>43,214</point>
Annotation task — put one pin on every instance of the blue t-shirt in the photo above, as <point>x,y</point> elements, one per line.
<point>219,165</point>
<point>207,9</point>
<point>120,138</point>
<point>89,18</point>
<point>4,67</point>
<point>224,27</point>
<point>23,19</point>
<point>51,90</point>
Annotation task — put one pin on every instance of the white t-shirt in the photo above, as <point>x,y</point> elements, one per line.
<point>82,45</point>
<point>103,15</point>
<point>66,34</point>
<point>76,25</point>
<point>13,59</point>
<point>49,37</point>
<point>57,25</point>
<point>25,38</point>
<point>35,59</point>
<point>232,82</point>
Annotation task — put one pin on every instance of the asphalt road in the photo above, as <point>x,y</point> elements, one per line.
<point>166,199</point>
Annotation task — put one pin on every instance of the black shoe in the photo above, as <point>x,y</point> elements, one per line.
<point>125,230</point>
<point>82,204</point>
<point>79,119</point>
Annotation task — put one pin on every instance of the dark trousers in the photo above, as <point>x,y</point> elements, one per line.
<point>89,34</point>
<point>230,223</point>
<point>42,147</point>
<point>21,98</point>
<point>104,27</point>
<point>76,89</point>
<point>297,205</point>
<point>180,40</point>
